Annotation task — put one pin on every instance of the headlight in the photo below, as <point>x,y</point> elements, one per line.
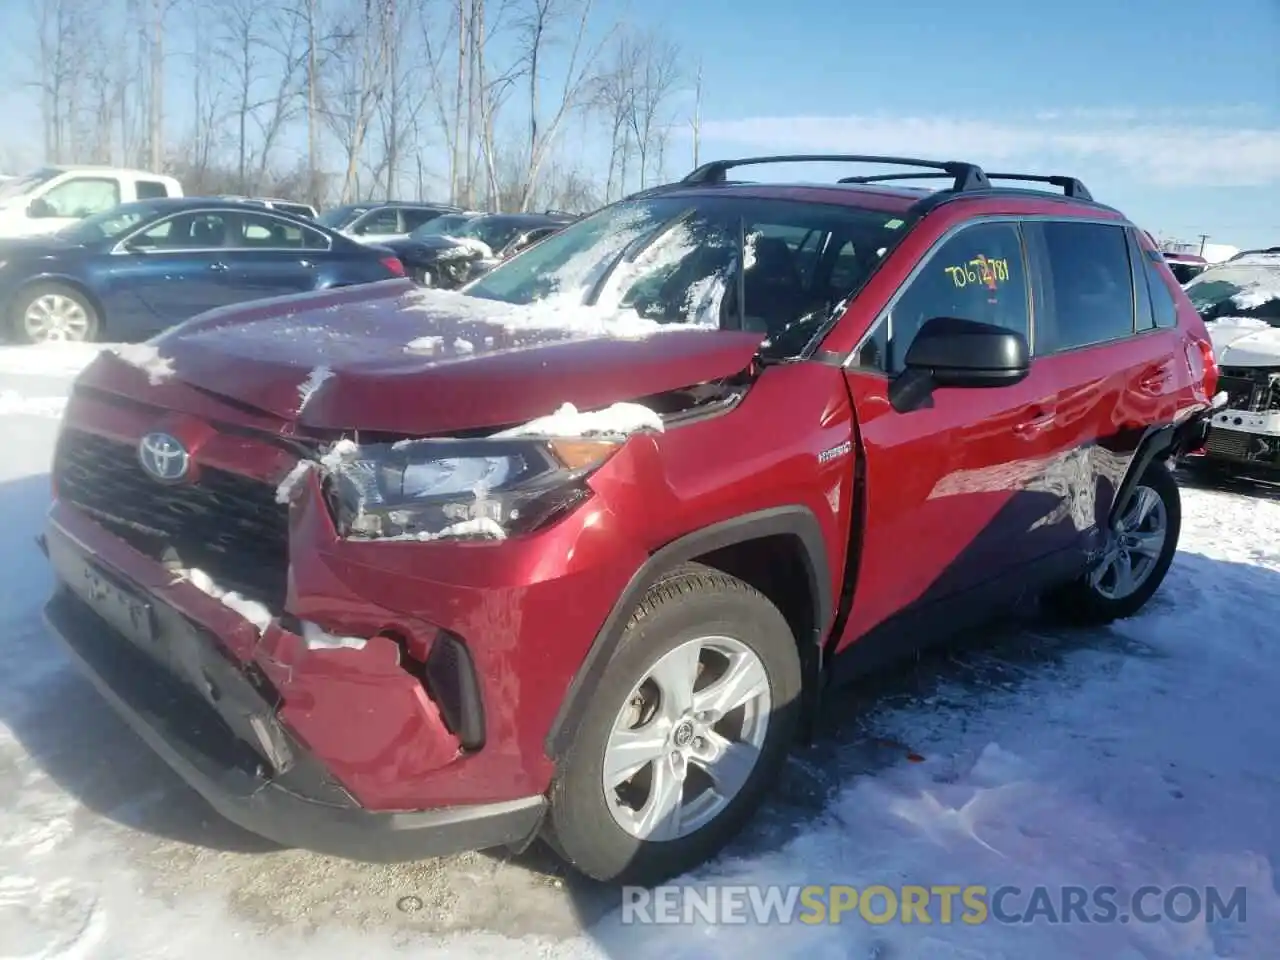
<point>431,489</point>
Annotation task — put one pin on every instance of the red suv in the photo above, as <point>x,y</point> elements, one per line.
<point>575,553</point>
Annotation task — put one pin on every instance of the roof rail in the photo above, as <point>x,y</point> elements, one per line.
<point>966,176</point>
<point>1071,187</point>
<point>880,177</point>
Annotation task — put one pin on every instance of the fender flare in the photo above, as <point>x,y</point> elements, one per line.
<point>1169,440</point>
<point>797,521</point>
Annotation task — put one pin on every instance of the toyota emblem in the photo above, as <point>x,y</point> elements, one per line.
<point>164,457</point>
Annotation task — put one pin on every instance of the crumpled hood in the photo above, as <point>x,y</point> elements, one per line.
<point>1245,342</point>
<point>343,360</point>
<point>425,248</point>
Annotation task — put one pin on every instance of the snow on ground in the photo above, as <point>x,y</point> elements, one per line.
<point>1141,754</point>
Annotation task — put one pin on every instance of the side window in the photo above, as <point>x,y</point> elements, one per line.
<point>979,274</point>
<point>414,218</point>
<point>184,231</point>
<point>1144,318</point>
<point>1163,306</point>
<point>151,190</point>
<point>384,220</point>
<point>1091,283</point>
<point>268,232</point>
<point>83,197</point>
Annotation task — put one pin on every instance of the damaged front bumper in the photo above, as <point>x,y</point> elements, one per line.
<point>216,724</point>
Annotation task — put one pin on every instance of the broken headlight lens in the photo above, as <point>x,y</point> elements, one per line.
<point>436,489</point>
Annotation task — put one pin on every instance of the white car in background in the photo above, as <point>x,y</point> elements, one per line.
<point>54,197</point>
<point>1240,303</point>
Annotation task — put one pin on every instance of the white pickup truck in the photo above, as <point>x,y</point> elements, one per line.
<point>56,196</point>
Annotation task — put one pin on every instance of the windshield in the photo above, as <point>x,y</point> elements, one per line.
<point>339,217</point>
<point>108,225</point>
<point>445,226</point>
<point>494,232</point>
<point>19,186</point>
<point>675,260</point>
<point>1245,288</point>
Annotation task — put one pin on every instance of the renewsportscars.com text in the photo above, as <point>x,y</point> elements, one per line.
<point>941,904</point>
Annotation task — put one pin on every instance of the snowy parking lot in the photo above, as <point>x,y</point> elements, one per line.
<point>1144,754</point>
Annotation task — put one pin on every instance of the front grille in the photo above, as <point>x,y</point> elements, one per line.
<point>1235,444</point>
<point>1256,389</point>
<point>227,525</point>
<point>1239,391</point>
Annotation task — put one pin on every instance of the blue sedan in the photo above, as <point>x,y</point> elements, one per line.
<point>140,268</point>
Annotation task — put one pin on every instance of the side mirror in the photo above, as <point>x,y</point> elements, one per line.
<point>39,209</point>
<point>965,353</point>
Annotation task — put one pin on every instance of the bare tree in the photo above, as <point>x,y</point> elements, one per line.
<point>659,78</point>
<point>538,25</point>
<point>696,122</point>
<point>612,96</point>
<point>390,92</point>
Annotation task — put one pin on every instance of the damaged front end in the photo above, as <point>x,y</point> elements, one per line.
<point>511,482</point>
<point>1246,431</point>
<point>350,608</point>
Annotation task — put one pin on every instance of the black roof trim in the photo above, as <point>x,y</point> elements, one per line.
<point>1071,187</point>
<point>966,176</point>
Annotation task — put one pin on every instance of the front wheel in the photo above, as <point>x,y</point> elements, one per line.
<point>684,734</point>
<point>49,312</point>
<point>1139,551</point>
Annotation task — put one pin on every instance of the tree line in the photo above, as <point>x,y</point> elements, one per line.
<point>483,100</point>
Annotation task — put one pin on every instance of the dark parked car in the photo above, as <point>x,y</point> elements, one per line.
<point>455,582</point>
<point>142,267</point>
<point>379,222</point>
<point>451,251</point>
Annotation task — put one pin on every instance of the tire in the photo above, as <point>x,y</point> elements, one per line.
<point>694,604</point>
<point>69,314</point>
<point>1094,599</point>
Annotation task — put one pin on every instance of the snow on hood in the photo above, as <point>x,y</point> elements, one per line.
<point>1256,278</point>
<point>392,357</point>
<point>1245,342</point>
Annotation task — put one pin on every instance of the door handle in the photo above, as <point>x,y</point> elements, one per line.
<point>306,263</point>
<point>1154,380</point>
<point>1041,419</point>
<point>218,267</point>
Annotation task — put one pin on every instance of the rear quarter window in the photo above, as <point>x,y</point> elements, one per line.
<point>151,190</point>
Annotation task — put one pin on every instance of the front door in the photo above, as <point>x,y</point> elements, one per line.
<point>168,272</point>
<point>972,489</point>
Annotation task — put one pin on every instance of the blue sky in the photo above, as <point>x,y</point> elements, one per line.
<point>1168,109</point>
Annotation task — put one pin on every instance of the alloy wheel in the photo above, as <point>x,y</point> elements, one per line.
<point>1137,541</point>
<point>55,316</point>
<point>687,739</point>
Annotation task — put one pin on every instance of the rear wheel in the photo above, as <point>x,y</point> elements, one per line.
<point>683,736</point>
<point>1136,558</point>
<point>49,312</point>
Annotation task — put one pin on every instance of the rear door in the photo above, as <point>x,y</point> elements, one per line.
<point>1114,361</point>
<point>271,256</point>
<point>961,497</point>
